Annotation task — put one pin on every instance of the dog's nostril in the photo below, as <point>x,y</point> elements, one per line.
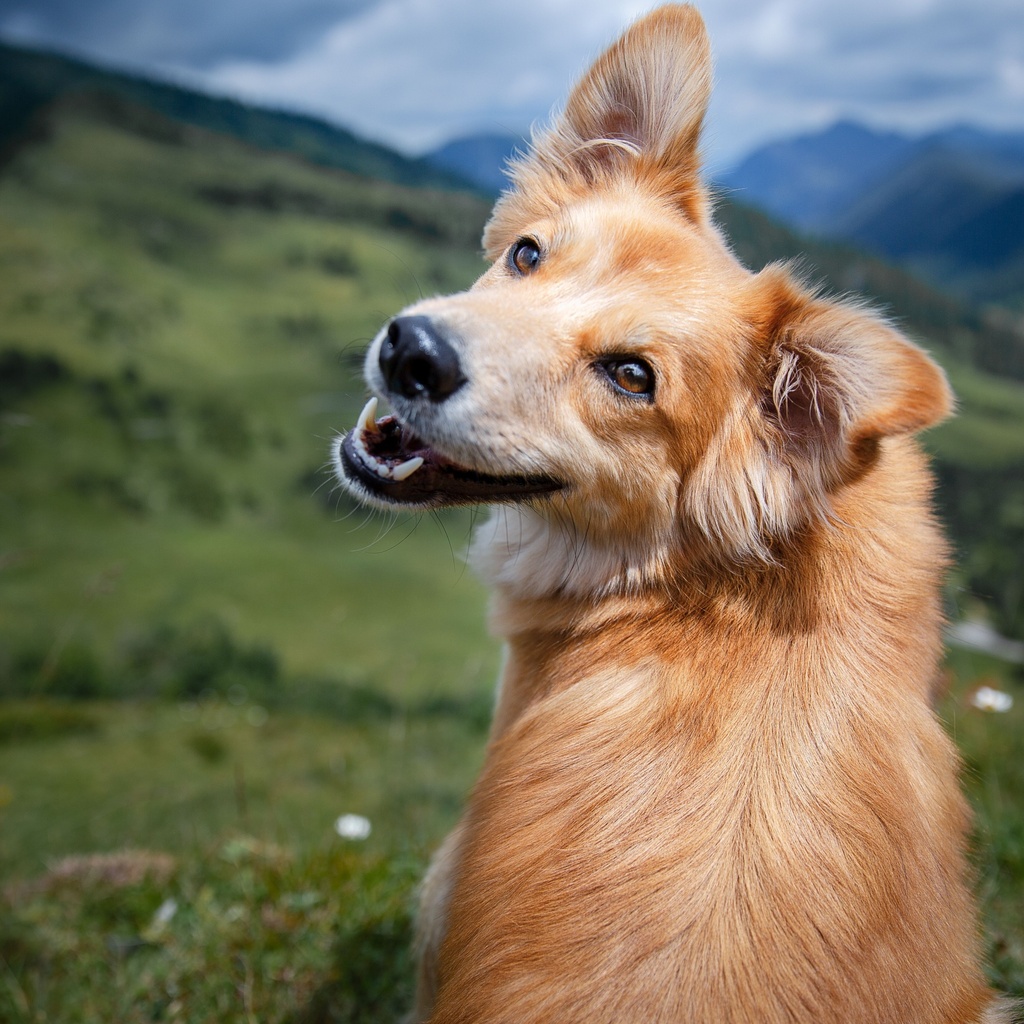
<point>417,361</point>
<point>394,331</point>
<point>419,375</point>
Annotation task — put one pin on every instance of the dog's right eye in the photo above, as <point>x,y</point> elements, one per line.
<point>524,256</point>
<point>629,375</point>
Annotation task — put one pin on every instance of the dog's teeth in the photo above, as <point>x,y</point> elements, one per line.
<point>406,469</point>
<point>367,418</point>
<point>366,428</point>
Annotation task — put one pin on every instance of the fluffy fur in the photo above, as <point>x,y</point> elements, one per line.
<point>715,788</point>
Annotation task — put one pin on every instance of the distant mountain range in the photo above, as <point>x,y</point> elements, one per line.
<point>949,205</point>
<point>481,159</point>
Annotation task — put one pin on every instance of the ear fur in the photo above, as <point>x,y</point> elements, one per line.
<point>831,380</point>
<point>649,90</point>
<point>839,376</point>
<point>639,109</point>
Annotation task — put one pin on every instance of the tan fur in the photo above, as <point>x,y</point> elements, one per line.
<point>715,789</point>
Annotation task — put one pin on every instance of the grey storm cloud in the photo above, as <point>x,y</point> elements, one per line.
<point>190,33</point>
<point>416,72</point>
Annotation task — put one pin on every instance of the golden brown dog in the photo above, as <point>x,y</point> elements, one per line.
<point>715,789</point>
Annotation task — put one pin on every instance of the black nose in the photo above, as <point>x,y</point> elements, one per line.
<point>417,362</point>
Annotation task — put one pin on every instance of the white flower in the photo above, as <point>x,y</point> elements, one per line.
<point>353,826</point>
<point>164,913</point>
<point>988,699</point>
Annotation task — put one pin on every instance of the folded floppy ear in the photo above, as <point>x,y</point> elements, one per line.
<point>838,379</point>
<point>829,382</point>
<point>641,105</point>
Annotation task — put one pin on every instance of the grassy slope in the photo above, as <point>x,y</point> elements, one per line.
<point>127,500</point>
<point>31,79</point>
<point>165,309</point>
<point>171,276</point>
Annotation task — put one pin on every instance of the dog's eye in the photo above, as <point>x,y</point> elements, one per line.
<point>524,256</point>
<point>630,375</point>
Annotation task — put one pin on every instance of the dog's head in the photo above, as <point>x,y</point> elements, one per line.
<point>616,371</point>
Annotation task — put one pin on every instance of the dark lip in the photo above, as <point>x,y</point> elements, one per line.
<point>438,483</point>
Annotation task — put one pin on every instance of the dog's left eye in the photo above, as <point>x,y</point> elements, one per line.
<point>629,375</point>
<point>524,256</point>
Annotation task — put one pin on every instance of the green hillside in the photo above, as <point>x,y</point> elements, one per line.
<point>31,79</point>
<point>180,324</point>
<point>182,320</point>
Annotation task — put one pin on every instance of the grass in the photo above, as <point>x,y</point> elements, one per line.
<point>340,602</point>
<point>190,871</point>
<point>993,778</point>
<point>181,777</point>
<point>248,931</point>
<point>222,815</point>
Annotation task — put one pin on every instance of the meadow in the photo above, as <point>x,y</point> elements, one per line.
<point>207,655</point>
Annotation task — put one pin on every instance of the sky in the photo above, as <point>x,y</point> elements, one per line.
<point>416,73</point>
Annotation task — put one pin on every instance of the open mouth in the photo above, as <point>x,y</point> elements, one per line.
<point>393,464</point>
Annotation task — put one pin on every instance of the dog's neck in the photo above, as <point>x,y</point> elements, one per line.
<point>532,556</point>
<point>538,555</point>
<point>855,586</point>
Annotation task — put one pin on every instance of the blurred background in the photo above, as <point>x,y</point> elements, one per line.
<point>236,712</point>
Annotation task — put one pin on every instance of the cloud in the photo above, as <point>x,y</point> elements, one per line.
<point>187,33</point>
<point>414,73</point>
<point>906,64</point>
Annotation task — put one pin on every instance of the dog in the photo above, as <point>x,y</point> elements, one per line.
<point>715,789</point>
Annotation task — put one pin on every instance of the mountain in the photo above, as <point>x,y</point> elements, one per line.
<point>812,181</point>
<point>804,180</point>
<point>30,79</point>
<point>921,203</point>
<point>952,215</point>
<point>481,159</point>
<point>946,204</point>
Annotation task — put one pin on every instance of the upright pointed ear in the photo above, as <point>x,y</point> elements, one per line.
<point>828,383</point>
<point>650,90</point>
<point>641,104</point>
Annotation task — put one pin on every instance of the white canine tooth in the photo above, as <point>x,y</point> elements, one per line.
<point>406,469</point>
<point>367,418</point>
